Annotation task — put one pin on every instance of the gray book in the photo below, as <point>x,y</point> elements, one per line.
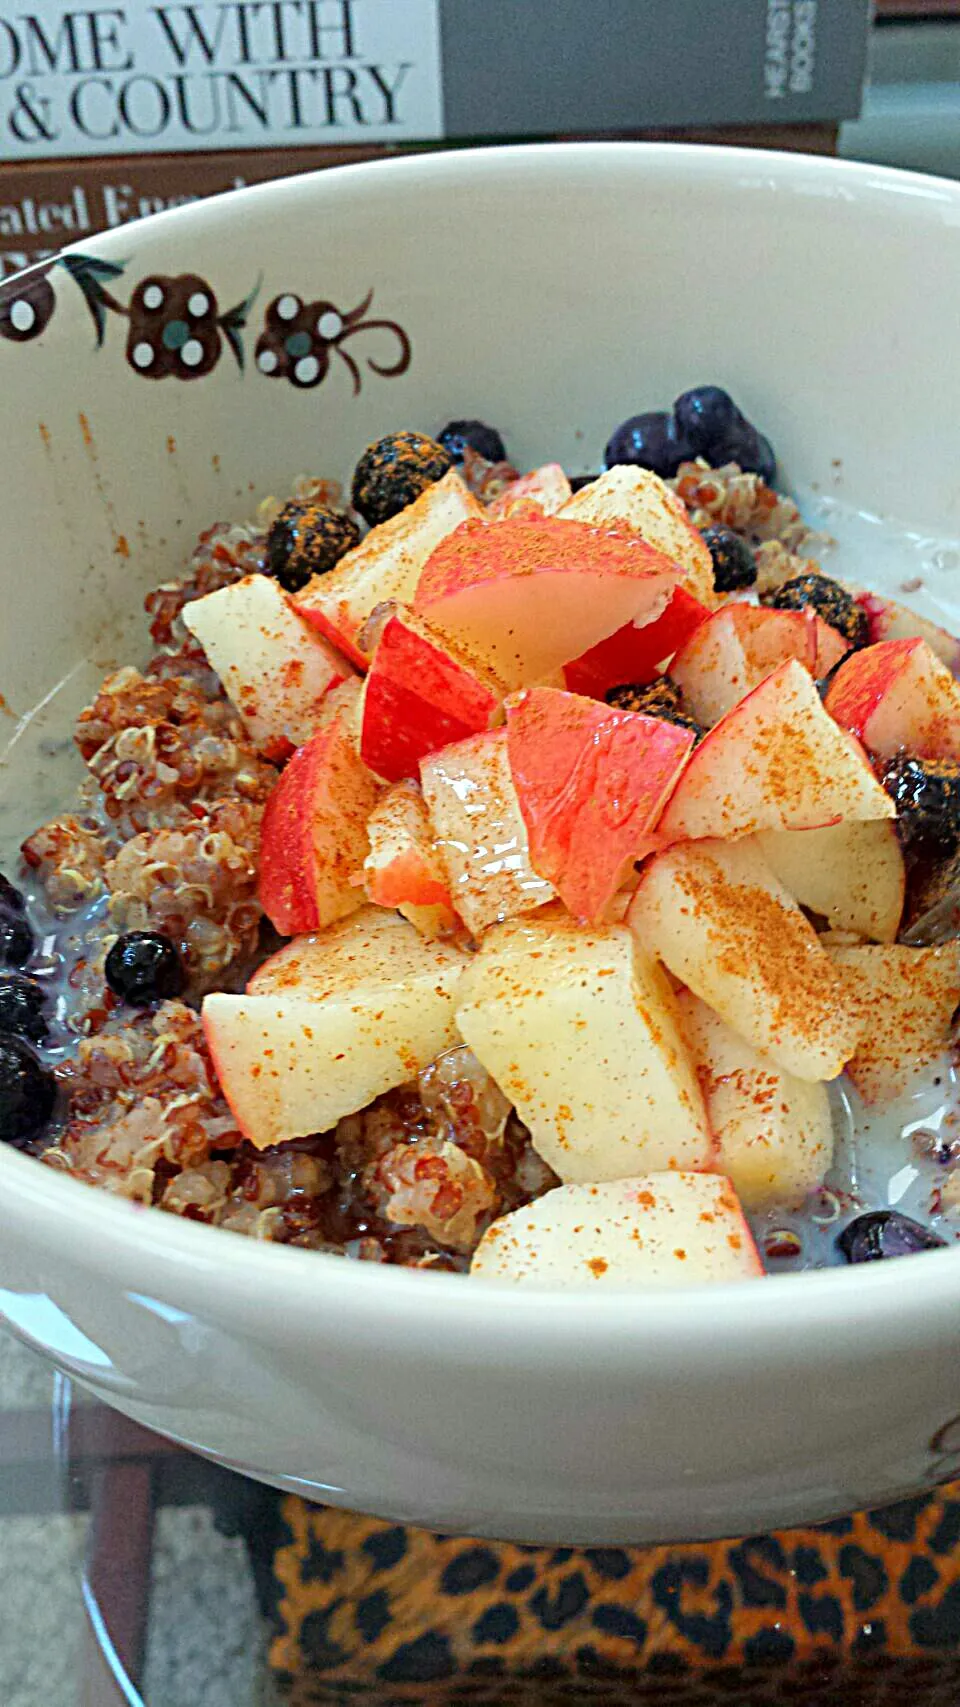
<point>543,66</point>
<point>206,75</point>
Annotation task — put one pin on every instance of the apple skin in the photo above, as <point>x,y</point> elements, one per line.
<point>276,668</point>
<point>526,595</point>
<point>656,1230</point>
<point>330,1022</point>
<point>638,500</point>
<point>776,761</point>
<point>731,654</point>
<point>898,694</point>
<point>852,874</point>
<point>314,835</point>
<point>580,1030</point>
<point>385,565</point>
<point>906,998</point>
<point>420,696</point>
<point>544,490</point>
<point>714,914</point>
<point>592,782</point>
<point>479,831</point>
<point>774,1132</point>
<point>637,653</point>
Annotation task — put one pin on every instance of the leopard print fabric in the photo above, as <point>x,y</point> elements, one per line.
<point>862,1612</point>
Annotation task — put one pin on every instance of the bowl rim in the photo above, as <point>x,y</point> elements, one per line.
<point>107,1233</point>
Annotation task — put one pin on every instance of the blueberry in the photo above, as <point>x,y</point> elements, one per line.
<point>884,1233</point>
<point>706,416</point>
<point>745,446</point>
<point>27,1092</point>
<point>649,441</point>
<point>660,698</point>
<point>393,472</point>
<point>144,967</point>
<point>307,539</point>
<point>734,564</point>
<point>10,895</point>
<point>16,937</point>
<point>22,1002</point>
<point>927,797</point>
<point>486,441</point>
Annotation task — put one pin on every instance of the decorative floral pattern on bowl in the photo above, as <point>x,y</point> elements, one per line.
<point>175,328</point>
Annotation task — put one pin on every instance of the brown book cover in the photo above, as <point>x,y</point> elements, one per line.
<point>44,207</point>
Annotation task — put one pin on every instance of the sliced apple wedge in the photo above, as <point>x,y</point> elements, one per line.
<point>403,868</point>
<point>732,653</point>
<point>673,1229</point>
<point>637,654</point>
<point>275,668</point>
<point>421,695</point>
<point>544,490</point>
<point>479,832</point>
<point>314,836</point>
<point>385,565</point>
<point>592,782</point>
<point>906,999</point>
<point>331,1022</point>
<point>635,498</point>
<point>777,761</point>
<point>580,1031</point>
<point>897,695</point>
<point>852,874</point>
<point>527,595</point>
<point>773,1132</point>
<point>719,920</point>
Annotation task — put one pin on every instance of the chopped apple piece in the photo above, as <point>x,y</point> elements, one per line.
<point>889,620</point>
<point>777,761</point>
<point>403,867</point>
<point>592,782</point>
<point>545,490</point>
<point>385,565</point>
<point>852,874</point>
<point>421,695</point>
<point>331,1022</point>
<point>635,654</point>
<point>740,645</point>
<point>275,668</point>
<point>479,831</point>
<point>314,837</point>
<point>719,920</point>
<point>635,498</point>
<point>580,1031</point>
<point>773,1131</point>
<point>897,695</point>
<point>528,595</point>
<point>673,1229</point>
<point>906,998</point>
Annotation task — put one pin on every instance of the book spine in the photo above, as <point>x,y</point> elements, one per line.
<point>85,81</point>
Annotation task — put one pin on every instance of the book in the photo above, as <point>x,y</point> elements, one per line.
<point>83,80</point>
<point>44,207</point>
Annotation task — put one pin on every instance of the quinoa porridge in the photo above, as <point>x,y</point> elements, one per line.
<point>362,790</point>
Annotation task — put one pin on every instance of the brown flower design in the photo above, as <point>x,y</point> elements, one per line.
<point>175,329</point>
<point>298,339</point>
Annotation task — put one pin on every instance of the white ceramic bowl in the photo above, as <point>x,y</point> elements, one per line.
<point>552,291</point>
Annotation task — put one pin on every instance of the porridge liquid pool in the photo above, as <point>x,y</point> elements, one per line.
<point>899,1157</point>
